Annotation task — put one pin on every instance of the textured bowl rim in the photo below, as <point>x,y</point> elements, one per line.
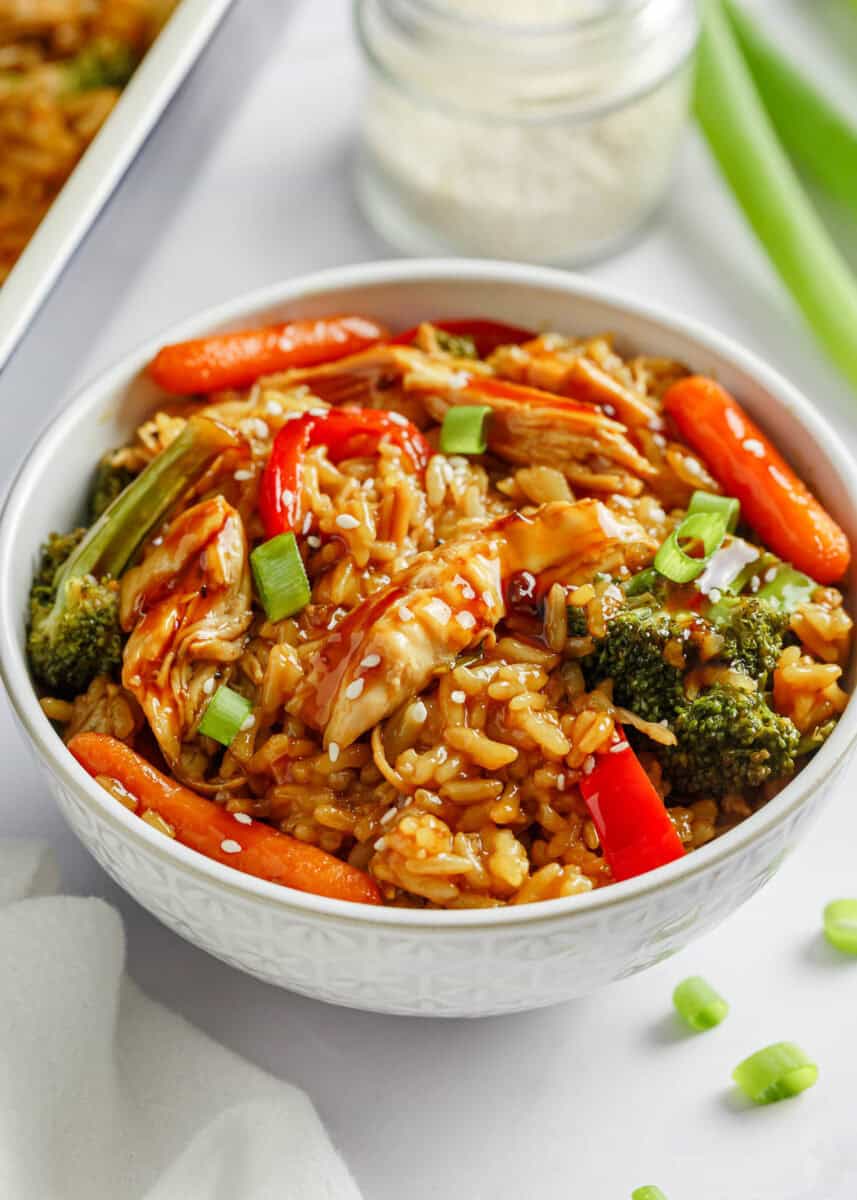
<point>51,750</point>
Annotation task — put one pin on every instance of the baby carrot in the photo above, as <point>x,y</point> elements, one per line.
<point>234,360</point>
<point>255,848</point>
<point>774,501</point>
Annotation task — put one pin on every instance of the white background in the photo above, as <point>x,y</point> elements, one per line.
<point>246,181</point>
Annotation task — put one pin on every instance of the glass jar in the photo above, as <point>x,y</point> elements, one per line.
<point>542,130</point>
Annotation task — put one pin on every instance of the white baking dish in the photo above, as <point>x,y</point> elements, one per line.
<point>103,165</point>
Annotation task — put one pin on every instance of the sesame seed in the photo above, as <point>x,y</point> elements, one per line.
<point>755,583</point>
<point>208,685</point>
<point>243,818</point>
<point>418,712</point>
<point>273,407</point>
<point>589,764</point>
<point>346,521</point>
<point>248,723</point>
<point>380,844</point>
<point>560,783</point>
<point>293,416</point>
<point>457,697</point>
<point>242,474</point>
<point>261,429</point>
<point>609,410</point>
<point>754,446</point>
<point>315,542</point>
<point>487,599</point>
<point>135,680</point>
<point>398,418</point>
<point>370,661</point>
<point>442,754</point>
<point>354,689</point>
<point>467,592</point>
<point>333,751</point>
<point>229,846</point>
<point>618,747</point>
<point>405,613</point>
<point>307,525</point>
<point>771,574</point>
<point>288,498</point>
<point>318,412</point>
<point>465,619</point>
<point>158,541</point>
<point>389,815</point>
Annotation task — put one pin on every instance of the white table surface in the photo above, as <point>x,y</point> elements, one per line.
<point>247,181</point>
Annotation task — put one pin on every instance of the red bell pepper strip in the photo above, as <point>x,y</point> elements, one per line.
<point>777,504</point>
<point>234,360</point>
<point>486,335</point>
<point>347,433</point>
<point>250,846</point>
<point>633,825</point>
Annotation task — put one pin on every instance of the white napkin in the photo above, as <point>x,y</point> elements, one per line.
<point>105,1095</point>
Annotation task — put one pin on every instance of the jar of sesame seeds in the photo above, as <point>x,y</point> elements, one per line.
<point>544,131</point>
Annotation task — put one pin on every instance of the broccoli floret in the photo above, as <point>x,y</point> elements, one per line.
<point>728,740</point>
<point>74,631</point>
<point>83,640</point>
<point>458,345</point>
<point>632,653</point>
<point>753,632</point>
<point>578,626</point>
<point>109,481</point>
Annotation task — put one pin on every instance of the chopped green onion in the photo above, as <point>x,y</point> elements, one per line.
<point>649,1192</point>
<point>642,582</point>
<point>815,133</point>
<point>281,579</point>
<point>698,1004</point>
<point>840,925</point>
<point>727,506</point>
<point>224,716</point>
<point>775,1073</point>
<point>671,560</point>
<point>463,429</point>
<point>788,589</point>
<point>764,183</point>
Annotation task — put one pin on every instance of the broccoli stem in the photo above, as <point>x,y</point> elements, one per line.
<point>110,544</point>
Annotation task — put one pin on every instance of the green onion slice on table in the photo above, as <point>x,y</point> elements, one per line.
<point>463,429</point>
<point>775,1073</point>
<point>281,579</point>
<point>699,1004</point>
<point>226,713</point>
<point>672,561</point>
<point>840,925</point>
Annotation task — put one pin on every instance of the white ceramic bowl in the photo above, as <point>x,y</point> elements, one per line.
<point>394,960</point>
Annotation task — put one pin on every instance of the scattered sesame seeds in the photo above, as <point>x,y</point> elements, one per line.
<point>380,844</point>
<point>370,661</point>
<point>242,475</point>
<point>754,446</point>
<point>243,818</point>
<point>771,574</point>
<point>248,723</point>
<point>389,815</point>
<point>355,689</point>
<point>465,619</point>
<point>230,846</point>
<point>346,521</point>
<point>158,541</point>
<point>442,754</point>
<point>208,685</point>
<point>418,712</point>
<point>755,583</point>
<point>619,747</point>
<point>457,697</point>
<point>609,410</point>
<point>135,681</point>
<point>333,751</point>
<point>307,525</point>
<point>560,783</point>
<point>405,613</point>
<point>318,412</point>
<point>488,599</point>
<point>273,407</point>
<point>588,764</point>
<point>261,429</point>
<point>314,541</point>
<point>288,498</point>
<point>458,379</point>
<point>467,591</point>
<point>398,418</point>
<point>293,416</point>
